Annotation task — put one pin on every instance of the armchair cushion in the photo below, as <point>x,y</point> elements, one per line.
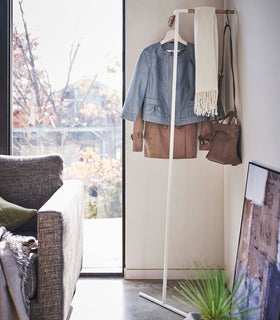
<point>30,182</point>
<point>13,216</point>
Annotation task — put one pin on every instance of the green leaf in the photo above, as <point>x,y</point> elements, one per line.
<point>210,295</point>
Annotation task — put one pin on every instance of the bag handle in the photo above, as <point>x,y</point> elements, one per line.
<point>221,73</point>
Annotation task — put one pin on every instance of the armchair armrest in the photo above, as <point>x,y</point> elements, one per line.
<point>60,225</point>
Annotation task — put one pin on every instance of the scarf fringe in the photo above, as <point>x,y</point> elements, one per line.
<point>205,103</point>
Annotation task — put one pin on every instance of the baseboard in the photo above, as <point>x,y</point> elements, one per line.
<point>153,274</point>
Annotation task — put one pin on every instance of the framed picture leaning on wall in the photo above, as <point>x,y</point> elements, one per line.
<point>258,255</point>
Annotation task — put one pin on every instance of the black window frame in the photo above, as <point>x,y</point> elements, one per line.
<point>5,75</point>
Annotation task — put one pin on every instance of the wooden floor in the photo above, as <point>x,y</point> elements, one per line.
<point>118,299</point>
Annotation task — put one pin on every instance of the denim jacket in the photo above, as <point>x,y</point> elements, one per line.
<point>151,86</point>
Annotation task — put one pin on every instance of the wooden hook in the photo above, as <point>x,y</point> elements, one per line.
<point>171,20</point>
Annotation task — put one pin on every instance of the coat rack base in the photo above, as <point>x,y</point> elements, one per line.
<point>164,305</point>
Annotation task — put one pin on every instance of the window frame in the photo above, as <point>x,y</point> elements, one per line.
<point>5,75</point>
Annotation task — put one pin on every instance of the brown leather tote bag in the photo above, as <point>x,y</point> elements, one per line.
<point>224,141</point>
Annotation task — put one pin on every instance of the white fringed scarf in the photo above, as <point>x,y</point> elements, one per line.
<point>206,61</point>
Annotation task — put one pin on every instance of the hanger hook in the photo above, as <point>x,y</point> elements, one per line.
<point>227,16</point>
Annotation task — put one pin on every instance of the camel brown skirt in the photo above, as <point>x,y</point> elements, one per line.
<point>156,138</point>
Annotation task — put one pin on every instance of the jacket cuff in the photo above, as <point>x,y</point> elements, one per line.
<point>137,139</point>
<point>128,116</point>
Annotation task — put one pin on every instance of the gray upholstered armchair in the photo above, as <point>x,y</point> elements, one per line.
<point>36,182</point>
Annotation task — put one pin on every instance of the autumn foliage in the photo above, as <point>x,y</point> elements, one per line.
<point>98,172</point>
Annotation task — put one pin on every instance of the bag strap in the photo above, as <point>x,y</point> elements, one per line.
<point>221,73</point>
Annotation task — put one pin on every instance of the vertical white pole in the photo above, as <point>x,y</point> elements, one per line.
<point>170,164</point>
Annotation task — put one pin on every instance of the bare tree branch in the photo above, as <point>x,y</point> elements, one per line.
<point>31,57</point>
<point>20,92</point>
<point>72,59</point>
<point>26,60</point>
<point>19,103</point>
<point>49,95</point>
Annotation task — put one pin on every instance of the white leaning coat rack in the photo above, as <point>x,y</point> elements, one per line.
<point>162,302</point>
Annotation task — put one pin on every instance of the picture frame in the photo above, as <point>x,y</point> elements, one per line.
<point>258,254</point>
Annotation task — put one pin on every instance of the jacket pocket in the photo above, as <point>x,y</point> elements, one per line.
<point>153,107</point>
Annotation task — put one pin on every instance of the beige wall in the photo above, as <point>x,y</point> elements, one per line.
<point>257,51</point>
<point>197,228</point>
<point>200,186</point>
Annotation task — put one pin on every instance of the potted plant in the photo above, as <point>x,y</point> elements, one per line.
<point>211,297</point>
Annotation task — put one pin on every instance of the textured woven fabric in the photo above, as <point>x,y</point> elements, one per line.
<point>14,260</point>
<point>60,224</point>
<point>30,182</point>
<point>31,280</point>
<point>60,239</point>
